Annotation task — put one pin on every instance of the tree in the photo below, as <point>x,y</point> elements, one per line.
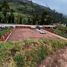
<point>35,19</point>
<point>5,5</point>
<point>43,17</point>
<point>29,20</point>
<point>5,9</point>
<point>0,18</point>
<point>0,8</point>
<point>11,17</point>
<point>20,20</point>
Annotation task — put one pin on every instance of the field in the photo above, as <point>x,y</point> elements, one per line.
<point>28,53</point>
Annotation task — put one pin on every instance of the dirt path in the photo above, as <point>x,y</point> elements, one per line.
<point>58,59</point>
<point>57,36</point>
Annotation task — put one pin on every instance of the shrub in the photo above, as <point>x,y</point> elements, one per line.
<point>19,59</point>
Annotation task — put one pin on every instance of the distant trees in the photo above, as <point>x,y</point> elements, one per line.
<point>19,19</point>
<point>0,18</point>
<point>8,14</point>
<point>35,19</point>
<point>46,16</point>
<point>29,20</point>
<point>5,9</point>
<point>0,8</point>
<point>43,19</point>
<point>11,17</point>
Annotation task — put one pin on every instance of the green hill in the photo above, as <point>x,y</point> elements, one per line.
<point>25,6</point>
<point>27,9</point>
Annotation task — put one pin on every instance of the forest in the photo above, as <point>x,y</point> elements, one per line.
<point>20,12</point>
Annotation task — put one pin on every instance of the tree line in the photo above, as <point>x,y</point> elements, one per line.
<point>47,17</point>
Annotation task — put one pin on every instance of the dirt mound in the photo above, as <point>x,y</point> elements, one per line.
<point>58,59</point>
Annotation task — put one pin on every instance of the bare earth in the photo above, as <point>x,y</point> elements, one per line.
<point>58,59</point>
<point>20,34</point>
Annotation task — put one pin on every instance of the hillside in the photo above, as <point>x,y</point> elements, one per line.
<point>27,8</point>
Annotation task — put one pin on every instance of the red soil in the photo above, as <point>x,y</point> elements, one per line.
<point>58,59</point>
<point>20,34</point>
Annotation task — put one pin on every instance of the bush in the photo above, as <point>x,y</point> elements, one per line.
<point>4,31</point>
<point>19,59</point>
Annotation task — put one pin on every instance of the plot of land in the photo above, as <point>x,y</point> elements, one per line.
<point>20,34</point>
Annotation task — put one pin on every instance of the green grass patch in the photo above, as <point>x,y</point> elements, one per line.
<point>4,31</point>
<point>62,31</point>
<point>28,53</point>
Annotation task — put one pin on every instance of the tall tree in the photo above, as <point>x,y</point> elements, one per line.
<point>12,16</point>
<point>5,9</point>
<point>43,17</point>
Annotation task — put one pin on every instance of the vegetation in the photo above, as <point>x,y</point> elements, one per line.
<point>60,30</point>
<point>27,53</point>
<point>3,31</point>
<point>27,12</point>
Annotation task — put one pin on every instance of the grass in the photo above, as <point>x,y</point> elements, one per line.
<point>27,53</point>
<point>4,31</point>
<point>62,31</point>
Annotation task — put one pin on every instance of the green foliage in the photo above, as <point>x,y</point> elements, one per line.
<point>19,59</point>
<point>37,13</point>
<point>62,31</point>
<point>29,56</point>
<point>4,31</point>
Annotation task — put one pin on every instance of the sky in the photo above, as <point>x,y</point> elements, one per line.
<point>58,5</point>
